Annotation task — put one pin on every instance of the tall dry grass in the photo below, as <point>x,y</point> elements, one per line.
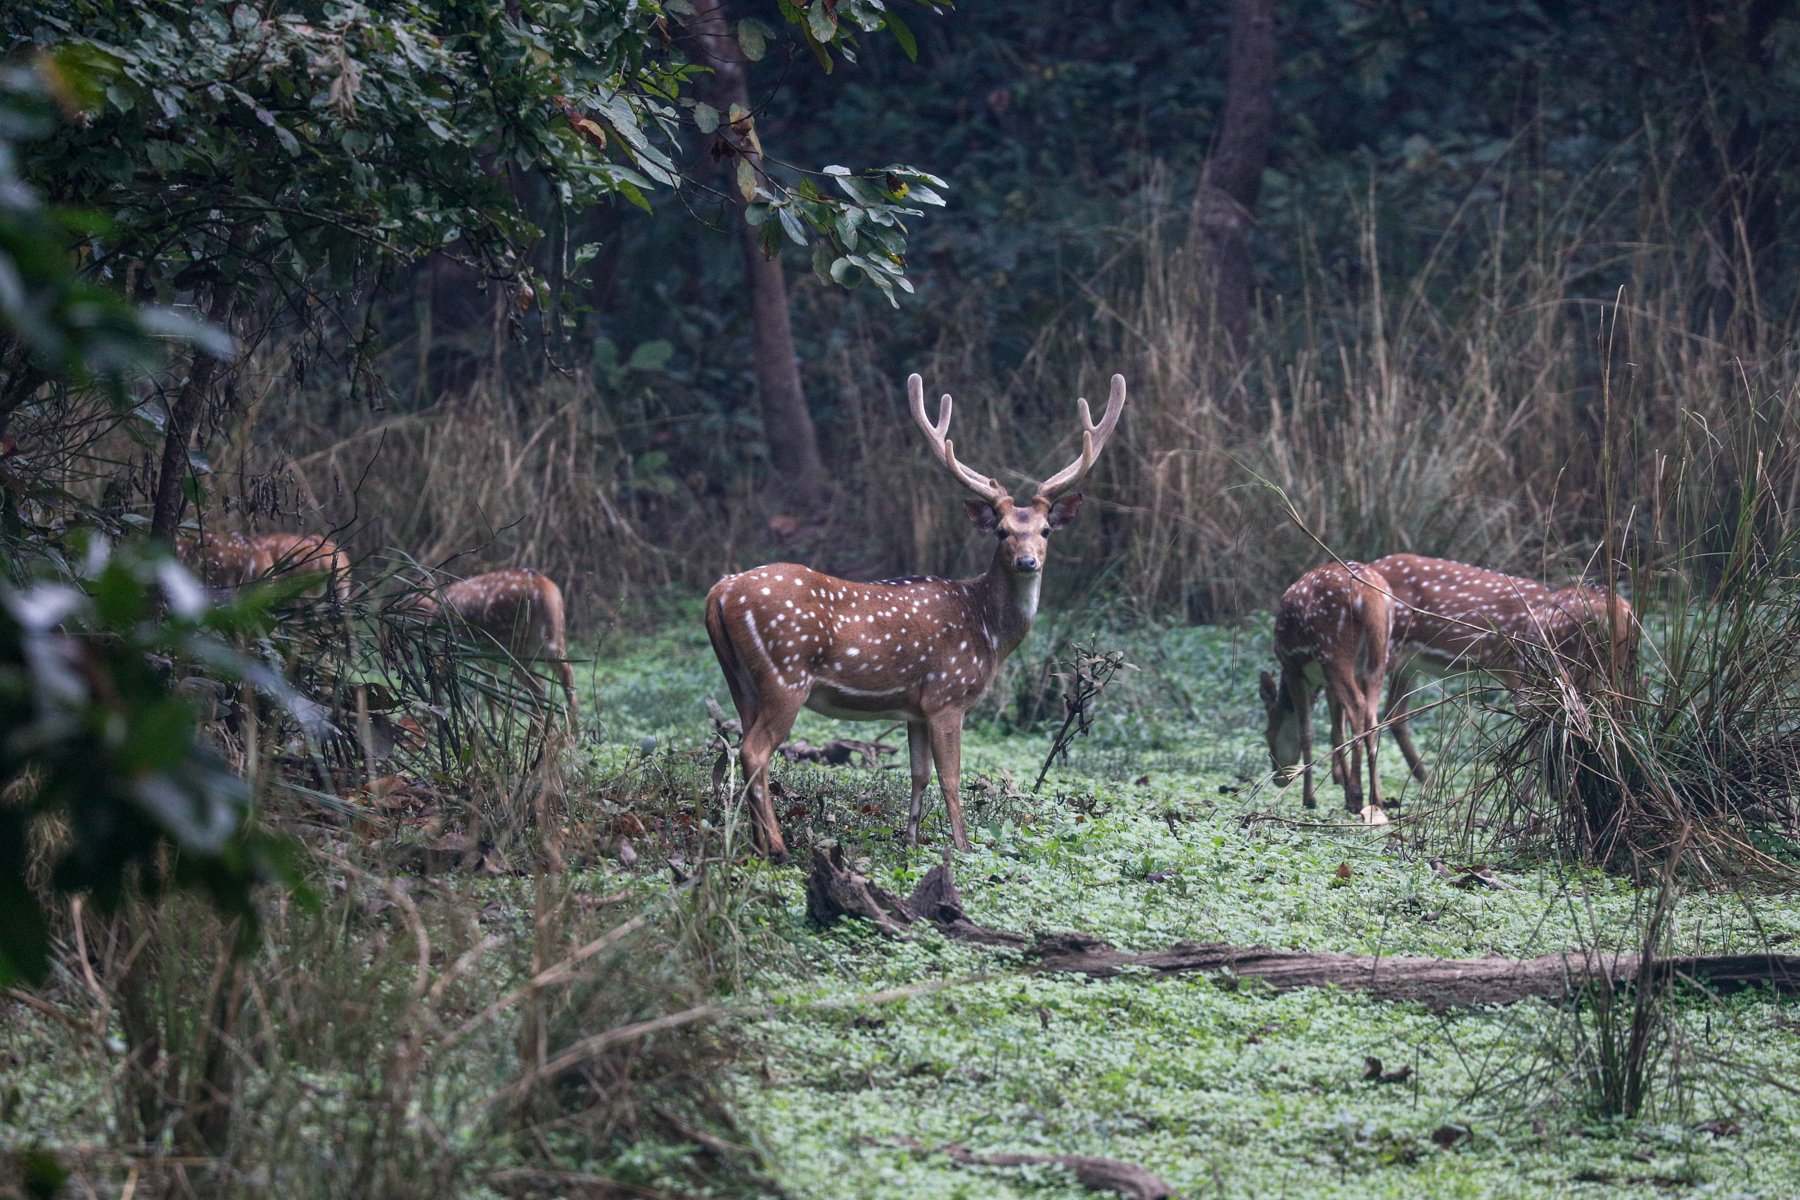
<point>1456,410</point>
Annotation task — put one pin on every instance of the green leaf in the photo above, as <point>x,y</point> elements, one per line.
<point>790,224</point>
<point>631,192</point>
<point>903,35</point>
<point>844,272</point>
<point>753,38</point>
<point>706,117</point>
<point>821,260</point>
<point>746,179</point>
<point>651,356</point>
<point>820,22</point>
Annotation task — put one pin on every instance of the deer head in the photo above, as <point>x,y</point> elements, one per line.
<point>1283,729</point>
<point>1023,531</point>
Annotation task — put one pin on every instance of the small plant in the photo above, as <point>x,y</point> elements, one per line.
<point>1086,673</point>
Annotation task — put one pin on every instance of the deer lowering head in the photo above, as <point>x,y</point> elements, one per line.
<point>917,650</point>
<point>1332,634</point>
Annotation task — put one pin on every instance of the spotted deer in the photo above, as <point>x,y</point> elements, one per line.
<point>223,560</point>
<point>519,611</point>
<point>1333,633</point>
<point>309,552</point>
<point>1451,616</point>
<point>918,650</point>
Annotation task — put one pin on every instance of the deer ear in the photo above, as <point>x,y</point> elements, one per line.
<point>1269,693</point>
<point>1064,510</point>
<point>982,514</point>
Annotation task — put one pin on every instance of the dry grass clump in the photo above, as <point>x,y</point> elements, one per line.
<point>1691,754</point>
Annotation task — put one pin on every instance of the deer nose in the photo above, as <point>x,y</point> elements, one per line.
<point>1026,562</point>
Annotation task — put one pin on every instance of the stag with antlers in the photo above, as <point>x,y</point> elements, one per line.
<point>918,650</point>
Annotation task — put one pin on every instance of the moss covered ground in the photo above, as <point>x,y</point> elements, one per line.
<point>1151,835</point>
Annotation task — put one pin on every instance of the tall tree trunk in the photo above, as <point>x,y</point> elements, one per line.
<point>1232,179</point>
<point>793,442</point>
<point>184,417</point>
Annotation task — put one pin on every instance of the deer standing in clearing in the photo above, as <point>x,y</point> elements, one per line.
<point>518,610</point>
<point>1333,633</point>
<point>918,650</point>
<point>1450,616</point>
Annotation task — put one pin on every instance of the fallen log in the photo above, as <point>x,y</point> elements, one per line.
<point>1437,982</point>
<point>834,891</point>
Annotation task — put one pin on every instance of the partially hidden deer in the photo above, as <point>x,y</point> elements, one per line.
<point>1451,616</point>
<point>223,560</point>
<point>918,650</point>
<point>309,552</point>
<point>1333,634</point>
<point>518,611</point>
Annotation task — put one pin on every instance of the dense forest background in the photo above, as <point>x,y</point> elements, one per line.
<point>1451,275</point>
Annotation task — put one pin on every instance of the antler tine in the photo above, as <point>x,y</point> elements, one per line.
<point>1093,441</point>
<point>981,485</point>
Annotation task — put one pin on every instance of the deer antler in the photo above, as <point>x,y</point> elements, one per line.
<point>1093,440</point>
<point>945,450</point>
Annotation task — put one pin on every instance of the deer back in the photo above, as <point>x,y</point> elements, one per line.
<point>519,607</point>
<point>915,644</point>
<point>287,552</point>
<point>1453,614</point>
<point>223,560</point>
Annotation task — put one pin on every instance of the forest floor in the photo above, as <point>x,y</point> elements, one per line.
<point>1148,837</point>
<point>856,1058</point>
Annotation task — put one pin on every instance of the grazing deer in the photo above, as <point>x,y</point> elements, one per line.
<point>311,552</point>
<point>520,610</point>
<point>1450,616</point>
<point>1333,634</point>
<point>918,650</point>
<point>223,560</point>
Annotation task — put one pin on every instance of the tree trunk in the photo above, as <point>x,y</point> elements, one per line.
<point>793,442</point>
<point>184,417</point>
<point>1232,178</point>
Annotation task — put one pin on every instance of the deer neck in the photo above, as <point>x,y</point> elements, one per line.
<point>1010,604</point>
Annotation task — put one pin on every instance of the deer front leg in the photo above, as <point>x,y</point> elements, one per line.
<point>918,751</point>
<point>1303,700</point>
<point>946,751</point>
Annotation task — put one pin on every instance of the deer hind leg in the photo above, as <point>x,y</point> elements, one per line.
<point>1346,702</point>
<point>946,752</point>
<point>774,720</point>
<point>918,752</point>
<point>1394,717</point>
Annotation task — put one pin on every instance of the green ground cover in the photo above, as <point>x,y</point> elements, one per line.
<point>1161,828</point>
<point>1224,1090</point>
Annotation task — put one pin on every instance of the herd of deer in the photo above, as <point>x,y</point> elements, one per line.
<point>923,650</point>
<point>518,611</point>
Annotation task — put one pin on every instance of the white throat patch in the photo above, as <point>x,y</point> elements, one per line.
<point>1028,594</point>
